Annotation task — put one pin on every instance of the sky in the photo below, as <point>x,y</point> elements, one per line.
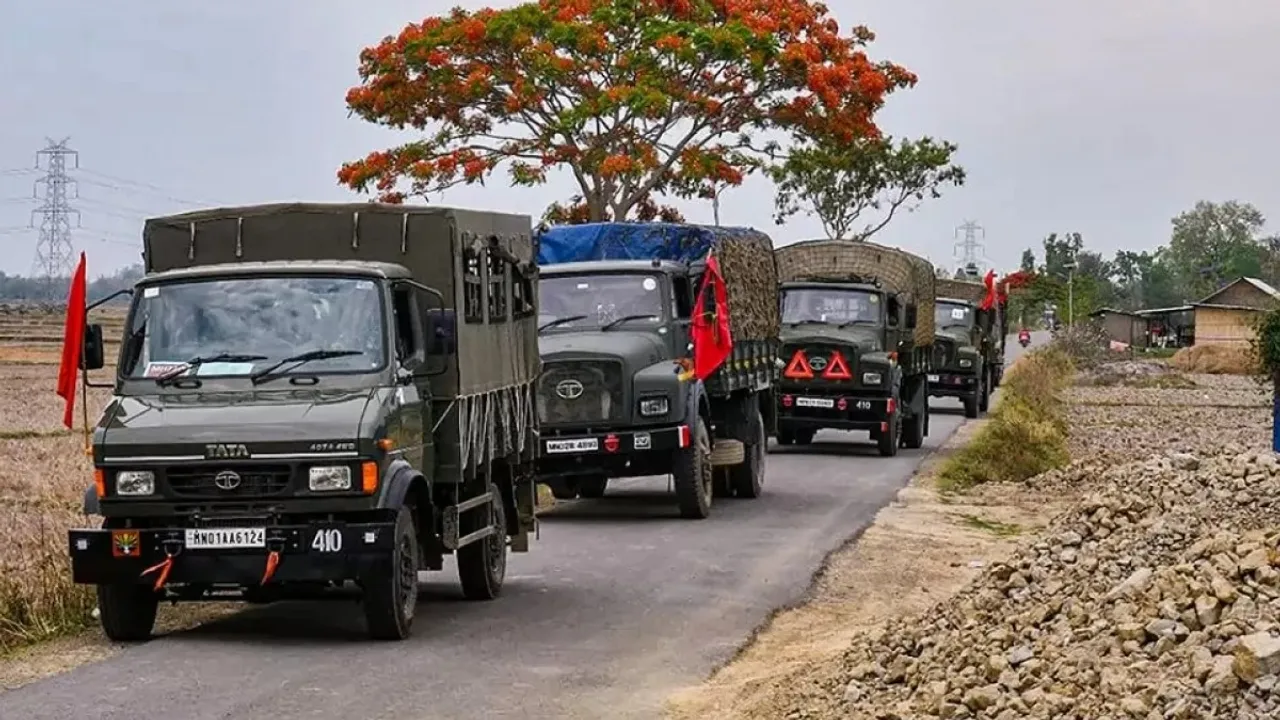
<point>1099,117</point>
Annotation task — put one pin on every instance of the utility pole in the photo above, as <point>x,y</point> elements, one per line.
<point>972,248</point>
<point>54,249</point>
<point>1071,291</point>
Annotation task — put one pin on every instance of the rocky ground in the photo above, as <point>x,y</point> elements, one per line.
<point>1155,593</point>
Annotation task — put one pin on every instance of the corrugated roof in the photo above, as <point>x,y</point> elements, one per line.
<point>1161,311</point>
<point>1259,284</point>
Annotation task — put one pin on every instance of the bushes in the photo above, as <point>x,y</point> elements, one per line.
<point>37,598</point>
<point>1026,434</point>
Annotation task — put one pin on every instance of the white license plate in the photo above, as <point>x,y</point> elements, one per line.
<point>815,402</point>
<point>934,378</point>
<point>226,538</point>
<point>573,446</point>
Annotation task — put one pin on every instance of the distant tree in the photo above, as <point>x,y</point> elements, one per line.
<point>841,181</point>
<point>635,98</point>
<point>1215,243</point>
<point>1028,264</point>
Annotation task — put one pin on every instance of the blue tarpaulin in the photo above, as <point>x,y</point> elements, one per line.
<point>632,241</point>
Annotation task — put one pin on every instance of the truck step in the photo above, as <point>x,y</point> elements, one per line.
<point>728,452</point>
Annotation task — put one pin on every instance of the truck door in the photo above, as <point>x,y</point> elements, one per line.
<point>413,393</point>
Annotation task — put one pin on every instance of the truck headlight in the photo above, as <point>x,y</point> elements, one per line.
<point>966,363</point>
<point>329,478</point>
<point>649,407</point>
<point>135,482</point>
<point>873,378</point>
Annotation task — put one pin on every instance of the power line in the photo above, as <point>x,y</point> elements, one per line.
<point>53,248</point>
<point>972,248</point>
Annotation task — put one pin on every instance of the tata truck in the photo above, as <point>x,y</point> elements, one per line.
<point>315,398</point>
<point>971,342</point>
<point>856,342</point>
<point>619,395</point>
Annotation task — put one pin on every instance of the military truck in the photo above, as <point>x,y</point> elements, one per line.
<point>857,342</point>
<point>617,397</point>
<point>312,395</point>
<point>969,360</point>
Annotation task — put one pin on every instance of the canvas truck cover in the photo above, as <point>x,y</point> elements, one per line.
<point>427,241</point>
<point>961,290</point>
<point>745,256</point>
<point>897,270</point>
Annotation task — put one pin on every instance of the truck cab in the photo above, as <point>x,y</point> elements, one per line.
<point>961,371</point>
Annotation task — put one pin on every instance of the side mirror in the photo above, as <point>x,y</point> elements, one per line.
<point>93,354</point>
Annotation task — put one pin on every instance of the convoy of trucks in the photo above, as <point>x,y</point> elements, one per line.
<point>314,398</point>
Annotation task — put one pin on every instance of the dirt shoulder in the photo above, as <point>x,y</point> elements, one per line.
<point>920,549</point>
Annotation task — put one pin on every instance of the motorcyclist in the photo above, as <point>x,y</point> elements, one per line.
<point>1024,337</point>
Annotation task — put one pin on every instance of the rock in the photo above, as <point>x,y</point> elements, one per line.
<point>981,698</point>
<point>1135,583</point>
<point>1208,610</point>
<point>1222,677</point>
<point>1019,655</point>
<point>1257,655</point>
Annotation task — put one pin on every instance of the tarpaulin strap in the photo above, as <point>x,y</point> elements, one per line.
<point>164,568</point>
<point>273,560</point>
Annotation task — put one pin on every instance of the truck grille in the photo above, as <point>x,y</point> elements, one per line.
<point>575,392</point>
<point>203,481</point>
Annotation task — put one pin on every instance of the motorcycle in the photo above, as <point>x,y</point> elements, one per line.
<point>1024,340</point>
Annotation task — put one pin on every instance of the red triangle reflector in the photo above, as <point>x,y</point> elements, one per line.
<point>837,368</point>
<point>798,368</point>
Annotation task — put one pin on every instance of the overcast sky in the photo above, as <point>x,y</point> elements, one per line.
<point>1096,116</point>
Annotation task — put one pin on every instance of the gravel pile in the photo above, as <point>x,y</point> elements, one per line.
<point>1157,596</point>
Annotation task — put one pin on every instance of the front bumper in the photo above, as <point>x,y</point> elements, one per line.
<point>612,453</point>
<point>835,412</point>
<point>315,552</point>
<point>953,384</point>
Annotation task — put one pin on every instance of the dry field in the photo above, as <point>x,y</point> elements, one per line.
<point>43,477</point>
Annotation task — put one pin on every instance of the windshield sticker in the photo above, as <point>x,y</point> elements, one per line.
<point>225,368</point>
<point>957,313</point>
<point>650,284</point>
<point>156,369</point>
<point>584,286</point>
<point>151,292</point>
<point>364,285</point>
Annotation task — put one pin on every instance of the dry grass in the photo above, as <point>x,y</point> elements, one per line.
<point>1214,360</point>
<point>1026,434</point>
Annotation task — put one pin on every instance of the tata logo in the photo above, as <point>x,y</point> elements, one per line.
<point>226,451</point>
<point>569,389</point>
<point>818,364</point>
<point>227,480</point>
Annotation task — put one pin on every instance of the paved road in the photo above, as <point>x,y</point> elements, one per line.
<point>618,604</point>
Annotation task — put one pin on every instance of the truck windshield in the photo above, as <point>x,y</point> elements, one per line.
<point>257,321</point>
<point>598,300</point>
<point>953,315</point>
<point>835,306</point>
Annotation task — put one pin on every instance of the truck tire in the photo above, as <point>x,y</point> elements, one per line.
<point>971,408</point>
<point>984,393</point>
<point>563,489</point>
<point>391,594</point>
<point>888,441</point>
<point>786,437</point>
<point>692,475</point>
<point>747,479</point>
<point>914,430</point>
<point>127,611</point>
<point>592,487</point>
<point>804,436</point>
<point>482,565</point>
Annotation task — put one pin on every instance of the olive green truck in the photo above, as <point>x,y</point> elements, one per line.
<point>971,345</point>
<point>310,397</point>
<point>857,342</point>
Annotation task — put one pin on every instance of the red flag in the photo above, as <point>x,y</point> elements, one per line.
<point>710,328</point>
<point>990,300</point>
<point>72,342</point>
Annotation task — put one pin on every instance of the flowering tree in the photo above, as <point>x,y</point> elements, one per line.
<point>636,98</point>
<point>840,181</point>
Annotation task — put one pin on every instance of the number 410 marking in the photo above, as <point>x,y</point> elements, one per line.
<point>327,540</point>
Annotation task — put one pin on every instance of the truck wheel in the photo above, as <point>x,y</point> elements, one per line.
<point>984,395</point>
<point>747,479</point>
<point>805,436</point>
<point>592,487</point>
<point>482,565</point>
<point>914,430</point>
<point>693,475</point>
<point>888,440</point>
<point>971,408</point>
<point>391,593</point>
<point>128,612</point>
<point>563,490</point>
<point>786,437</point>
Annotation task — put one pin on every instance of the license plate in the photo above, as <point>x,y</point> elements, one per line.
<point>863,405</point>
<point>934,378</point>
<point>226,538</point>
<point>815,402</point>
<point>573,446</point>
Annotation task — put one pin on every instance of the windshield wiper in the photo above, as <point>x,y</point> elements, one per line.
<point>808,322</point>
<point>562,321</point>
<point>197,361</point>
<point>262,375</point>
<point>844,325</point>
<point>625,318</point>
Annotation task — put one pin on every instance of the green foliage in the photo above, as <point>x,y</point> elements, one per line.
<point>1215,243</point>
<point>1266,346</point>
<point>1026,434</point>
<point>839,182</point>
